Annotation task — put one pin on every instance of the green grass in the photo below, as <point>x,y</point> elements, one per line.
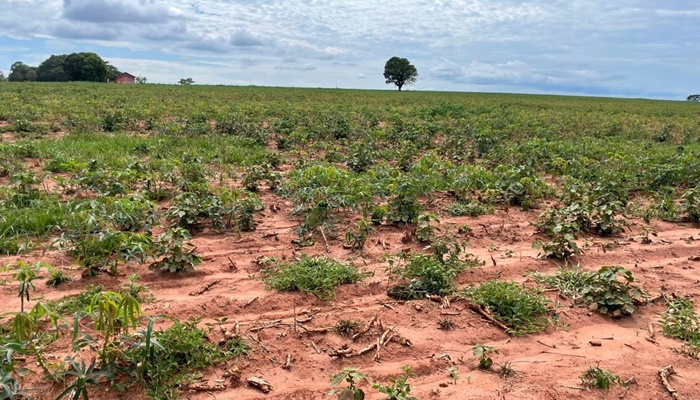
<point>317,275</point>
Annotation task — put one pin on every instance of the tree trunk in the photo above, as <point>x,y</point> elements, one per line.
<point>399,87</point>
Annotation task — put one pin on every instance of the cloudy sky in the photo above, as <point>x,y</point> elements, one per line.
<point>628,48</point>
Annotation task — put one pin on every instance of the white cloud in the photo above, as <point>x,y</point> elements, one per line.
<point>640,47</point>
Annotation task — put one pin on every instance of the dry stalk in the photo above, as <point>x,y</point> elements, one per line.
<point>665,373</point>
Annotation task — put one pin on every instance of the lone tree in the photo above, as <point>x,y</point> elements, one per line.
<point>186,81</point>
<point>400,71</point>
<point>694,97</point>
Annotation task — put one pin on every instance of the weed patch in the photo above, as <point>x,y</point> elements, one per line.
<point>317,275</point>
<point>523,310</point>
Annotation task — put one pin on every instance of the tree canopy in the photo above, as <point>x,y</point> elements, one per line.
<point>400,72</point>
<point>21,72</point>
<point>694,97</point>
<point>65,67</point>
<point>53,70</point>
<point>186,81</point>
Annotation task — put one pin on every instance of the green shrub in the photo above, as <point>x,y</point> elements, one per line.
<point>419,275</point>
<point>177,252</point>
<point>602,290</point>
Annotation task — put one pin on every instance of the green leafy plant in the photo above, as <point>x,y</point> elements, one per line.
<point>609,290</point>
<point>177,252</point>
<point>483,354</point>
<point>597,377</point>
<point>690,205</point>
<point>607,294</point>
<point>161,361</point>
<point>472,208</point>
<point>419,275</point>
<point>25,275</point>
<point>353,377</point>
<point>235,347</point>
<point>357,239</point>
<point>562,246</point>
<point>316,275</point>
<point>85,375</point>
<point>425,230</point>
<point>57,277</point>
<point>113,314</point>
<point>398,388</point>
<point>682,322</point>
<point>522,309</point>
<point>9,387</point>
<point>454,373</point>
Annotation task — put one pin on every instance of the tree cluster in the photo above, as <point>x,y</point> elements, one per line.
<point>64,68</point>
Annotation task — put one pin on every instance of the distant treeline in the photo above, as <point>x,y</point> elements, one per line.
<point>65,68</point>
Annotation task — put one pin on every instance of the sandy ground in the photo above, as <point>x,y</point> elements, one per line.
<point>548,364</point>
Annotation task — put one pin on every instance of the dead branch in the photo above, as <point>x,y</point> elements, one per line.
<point>484,313</point>
<point>367,328</point>
<point>562,354</point>
<point>205,288</point>
<point>628,384</point>
<point>383,340</point>
<point>260,384</point>
<point>279,322</point>
<point>205,387</point>
<point>315,347</point>
<point>325,240</point>
<point>232,265</point>
<point>665,373</point>
<point>250,301</point>
<point>259,343</point>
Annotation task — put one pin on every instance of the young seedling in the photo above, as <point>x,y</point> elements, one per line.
<point>454,373</point>
<point>506,369</point>
<point>25,275</point>
<point>399,388</point>
<point>353,377</point>
<point>482,353</point>
<point>84,376</point>
<point>600,378</point>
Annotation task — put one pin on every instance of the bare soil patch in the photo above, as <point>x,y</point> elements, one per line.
<point>293,340</point>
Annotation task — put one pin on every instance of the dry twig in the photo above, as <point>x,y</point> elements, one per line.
<point>205,288</point>
<point>665,373</point>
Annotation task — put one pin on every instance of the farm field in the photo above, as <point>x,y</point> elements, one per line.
<point>164,241</point>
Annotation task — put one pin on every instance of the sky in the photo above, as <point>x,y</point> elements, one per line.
<point>617,48</point>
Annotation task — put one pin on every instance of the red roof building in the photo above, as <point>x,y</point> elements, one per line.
<point>125,77</point>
